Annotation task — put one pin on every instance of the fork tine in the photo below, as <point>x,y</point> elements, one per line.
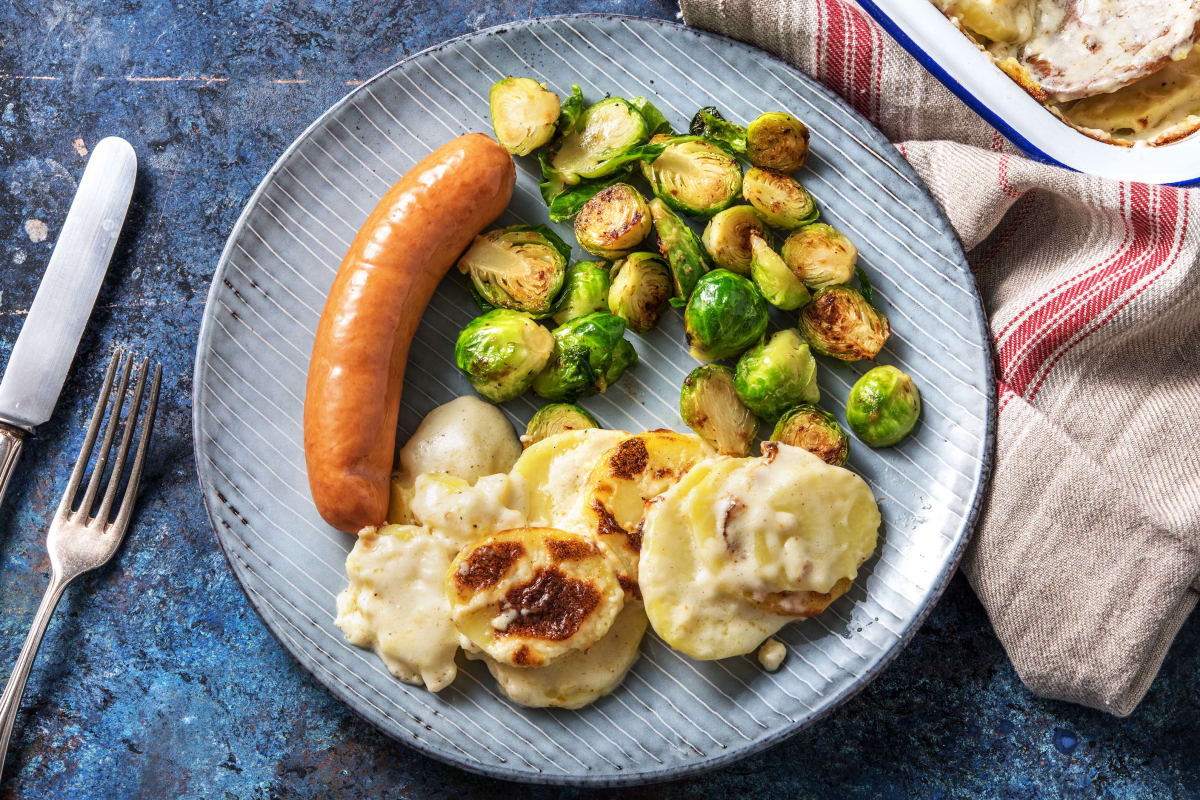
<point>85,451</point>
<point>135,475</point>
<point>118,401</point>
<point>114,479</point>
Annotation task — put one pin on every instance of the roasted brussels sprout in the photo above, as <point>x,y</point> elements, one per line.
<point>693,176</point>
<point>724,316</point>
<point>564,202</point>
<point>641,289</point>
<point>585,290</point>
<point>883,406</point>
<point>656,123</point>
<point>501,352</point>
<point>613,222</point>
<point>778,141</point>
<point>711,407</point>
<point>816,431</point>
<point>820,256</point>
<point>524,114</point>
<point>710,123</point>
<point>520,267</point>
<point>726,237</point>
<point>777,374</point>
<point>623,358</point>
<point>771,275</point>
<point>554,418</point>
<point>781,199</point>
<point>681,247</point>
<point>584,351</point>
<point>839,322</point>
<point>604,137</point>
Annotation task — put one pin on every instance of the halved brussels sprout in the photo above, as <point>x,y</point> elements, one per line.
<point>520,267</point>
<point>820,255</point>
<point>780,198</point>
<point>501,352</point>
<point>584,351</point>
<point>778,141</point>
<point>603,138</point>
<point>524,114</point>
<point>883,406</point>
<point>555,418</point>
<point>564,202</point>
<point>777,374</point>
<point>680,245</point>
<point>726,237</point>
<point>771,275</point>
<point>724,316</point>
<point>613,222</point>
<point>839,322</point>
<point>710,406</point>
<point>814,430</point>
<point>693,176</point>
<point>641,289</point>
<point>585,290</point>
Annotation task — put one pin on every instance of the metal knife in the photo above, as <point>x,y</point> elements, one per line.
<point>50,335</point>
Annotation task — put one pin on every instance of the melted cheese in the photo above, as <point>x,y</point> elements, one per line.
<point>466,438</point>
<point>1160,101</point>
<point>555,471</point>
<point>771,654</point>
<point>464,513</point>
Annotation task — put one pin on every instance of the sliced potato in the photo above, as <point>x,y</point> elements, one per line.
<point>555,472</point>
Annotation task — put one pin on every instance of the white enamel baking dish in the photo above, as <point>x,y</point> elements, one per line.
<point>954,60</point>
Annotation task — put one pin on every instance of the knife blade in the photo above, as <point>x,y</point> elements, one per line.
<point>46,345</point>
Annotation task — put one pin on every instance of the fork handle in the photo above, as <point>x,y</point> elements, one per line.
<point>11,440</point>
<point>10,701</point>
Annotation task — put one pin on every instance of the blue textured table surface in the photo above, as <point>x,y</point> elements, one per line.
<point>156,679</point>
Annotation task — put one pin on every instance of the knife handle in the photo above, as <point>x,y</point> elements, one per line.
<point>11,440</point>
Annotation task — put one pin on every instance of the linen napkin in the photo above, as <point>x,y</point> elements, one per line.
<point>1087,553</point>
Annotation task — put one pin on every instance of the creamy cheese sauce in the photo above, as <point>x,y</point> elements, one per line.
<point>771,654</point>
<point>466,438</point>
<point>464,513</point>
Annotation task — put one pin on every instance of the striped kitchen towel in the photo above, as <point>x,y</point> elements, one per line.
<point>1087,554</point>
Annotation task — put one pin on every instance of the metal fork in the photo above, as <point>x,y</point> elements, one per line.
<point>76,541</point>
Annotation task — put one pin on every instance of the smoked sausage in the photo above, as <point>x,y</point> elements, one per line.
<point>416,232</point>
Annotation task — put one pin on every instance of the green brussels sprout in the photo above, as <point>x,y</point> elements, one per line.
<point>814,430</point>
<point>883,406</point>
<point>777,141</point>
<point>777,374</point>
<point>624,357</point>
<point>710,406</point>
<point>839,322</point>
<point>724,316</point>
<point>501,351</point>
<point>656,123</point>
<point>641,289</point>
<point>581,362</point>
<point>613,222</point>
<point>602,139</point>
<point>555,418</point>
<point>820,255</point>
<point>771,275</point>
<point>681,247</point>
<point>524,114</point>
<point>520,267</point>
<point>564,202</point>
<point>693,176</point>
<point>726,237</point>
<point>781,199</point>
<point>585,290</point>
<point>711,124</point>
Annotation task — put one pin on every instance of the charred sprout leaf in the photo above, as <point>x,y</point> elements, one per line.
<point>693,176</point>
<point>501,352</point>
<point>656,123</point>
<point>710,406</point>
<point>814,430</point>
<point>696,126</point>
<point>641,289</point>
<point>582,359</point>
<point>864,284</point>
<point>820,256</point>
<point>606,136</point>
<point>778,141</point>
<point>781,199</point>
<point>839,322</point>
<point>520,267</point>
<point>623,358</point>
<point>724,316</point>
<point>569,199</point>
<point>613,222</point>
<point>680,245</point>
<point>709,123</point>
<point>555,418</point>
<point>775,375</point>
<point>524,114</point>
<point>883,406</point>
<point>585,290</point>
<point>771,275</point>
<point>726,237</point>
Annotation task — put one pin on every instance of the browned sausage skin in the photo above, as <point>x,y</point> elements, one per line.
<point>416,232</point>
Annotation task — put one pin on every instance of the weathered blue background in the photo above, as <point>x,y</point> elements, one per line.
<point>156,679</point>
